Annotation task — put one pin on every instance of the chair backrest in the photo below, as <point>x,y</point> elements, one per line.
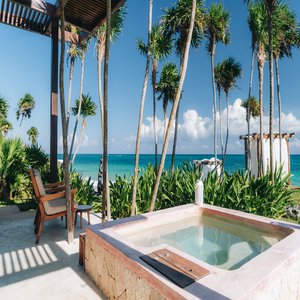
<point>38,186</point>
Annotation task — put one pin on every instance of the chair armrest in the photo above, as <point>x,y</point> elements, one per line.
<point>55,184</point>
<point>49,197</point>
<point>55,189</point>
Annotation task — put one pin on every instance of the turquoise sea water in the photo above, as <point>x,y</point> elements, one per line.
<point>123,164</point>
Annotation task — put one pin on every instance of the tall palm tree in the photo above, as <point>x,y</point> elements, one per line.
<point>161,47</point>
<point>138,134</point>
<point>167,88</point>
<point>183,68</point>
<point>83,46</point>
<point>25,107</point>
<point>33,134</point>
<point>253,103</point>
<point>219,85</point>
<point>270,7</point>
<point>285,38</point>
<point>232,71</point>
<point>4,106</point>
<point>105,187</point>
<point>117,22</point>
<point>88,109</point>
<point>257,14</point>
<point>217,30</point>
<point>5,126</point>
<point>66,169</point>
<point>73,53</point>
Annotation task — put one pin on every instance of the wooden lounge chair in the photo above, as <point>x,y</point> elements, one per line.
<point>51,201</point>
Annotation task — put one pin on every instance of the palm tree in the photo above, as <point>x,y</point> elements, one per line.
<point>33,135</point>
<point>285,38</point>
<point>4,106</point>
<point>73,53</point>
<point>117,21</point>
<point>219,85</point>
<point>5,126</point>
<point>88,109</point>
<point>232,71</point>
<point>83,46</point>
<point>183,68</point>
<point>25,106</point>
<point>167,88</point>
<point>105,187</point>
<point>253,103</point>
<point>270,7</point>
<point>257,15</point>
<point>161,47</point>
<point>138,135</point>
<point>66,169</point>
<point>217,30</point>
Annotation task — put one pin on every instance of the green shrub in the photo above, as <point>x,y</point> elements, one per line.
<point>258,196</point>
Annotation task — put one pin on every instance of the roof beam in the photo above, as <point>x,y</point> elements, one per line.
<point>38,5</point>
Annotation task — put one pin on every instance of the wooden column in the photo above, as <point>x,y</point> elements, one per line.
<point>54,101</point>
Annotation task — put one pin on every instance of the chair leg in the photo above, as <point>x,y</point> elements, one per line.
<point>39,230</point>
<point>75,218</point>
<point>37,222</point>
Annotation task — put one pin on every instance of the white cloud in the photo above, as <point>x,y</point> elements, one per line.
<point>195,132</point>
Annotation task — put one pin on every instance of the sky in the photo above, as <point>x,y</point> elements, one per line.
<point>25,67</point>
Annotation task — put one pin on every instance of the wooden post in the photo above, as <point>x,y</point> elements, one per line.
<point>53,101</point>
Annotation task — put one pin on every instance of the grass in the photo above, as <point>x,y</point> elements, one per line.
<point>23,204</point>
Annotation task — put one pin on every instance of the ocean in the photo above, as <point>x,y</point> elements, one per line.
<point>123,164</point>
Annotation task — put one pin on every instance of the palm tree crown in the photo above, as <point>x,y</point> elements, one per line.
<point>33,134</point>
<point>25,106</point>
<point>88,106</point>
<point>4,106</point>
<point>217,26</point>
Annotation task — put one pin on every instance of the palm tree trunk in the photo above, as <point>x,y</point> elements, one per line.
<point>70,91</point>
<point>227,129</point>
<point>260,62</point>
<point>99,67</point>
<point>70,216</point>
<point>154,71</point>
<point>105,192</point>
<point>248,115</point>
<point>279,106</point>
<point>271,77</point>
<point>83,124</point>
<point>165,124</point>
<point>183,67</point>
<point>221,127</point>
<point>79,108</point>
<point>214,98</point>
<point>138,135</point>
<point>175,139</point>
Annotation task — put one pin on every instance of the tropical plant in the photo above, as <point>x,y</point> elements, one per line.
<point>5,126</point>
<point>254,111</point>
<point>257,19</point>
<point>116,27</point>
<point>83,46</point>
<point>36,157</point>
<point>12,163</point>
<point>216,30</point>
<point>167,88</point>
<point>73,53</point>
<point>231,71</point>
<point>161,47</point>
<point>105,192</point>
<point>286,35</point>
<point>33,134</point>
<point>25,107</point>
<point>183,68</point>
<point>66,169</point>
<point>4,106</point>
<point>88,109</point>
<point>253,195</point>
<point>141,111</point>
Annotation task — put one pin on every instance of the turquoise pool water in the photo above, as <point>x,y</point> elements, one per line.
<point>217,241</point>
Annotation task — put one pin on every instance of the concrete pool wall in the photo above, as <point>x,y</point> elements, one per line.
<point>115,266</point>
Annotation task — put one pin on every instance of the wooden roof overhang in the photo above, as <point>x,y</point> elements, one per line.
<point>256,136</point>
<point>37,15</point>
